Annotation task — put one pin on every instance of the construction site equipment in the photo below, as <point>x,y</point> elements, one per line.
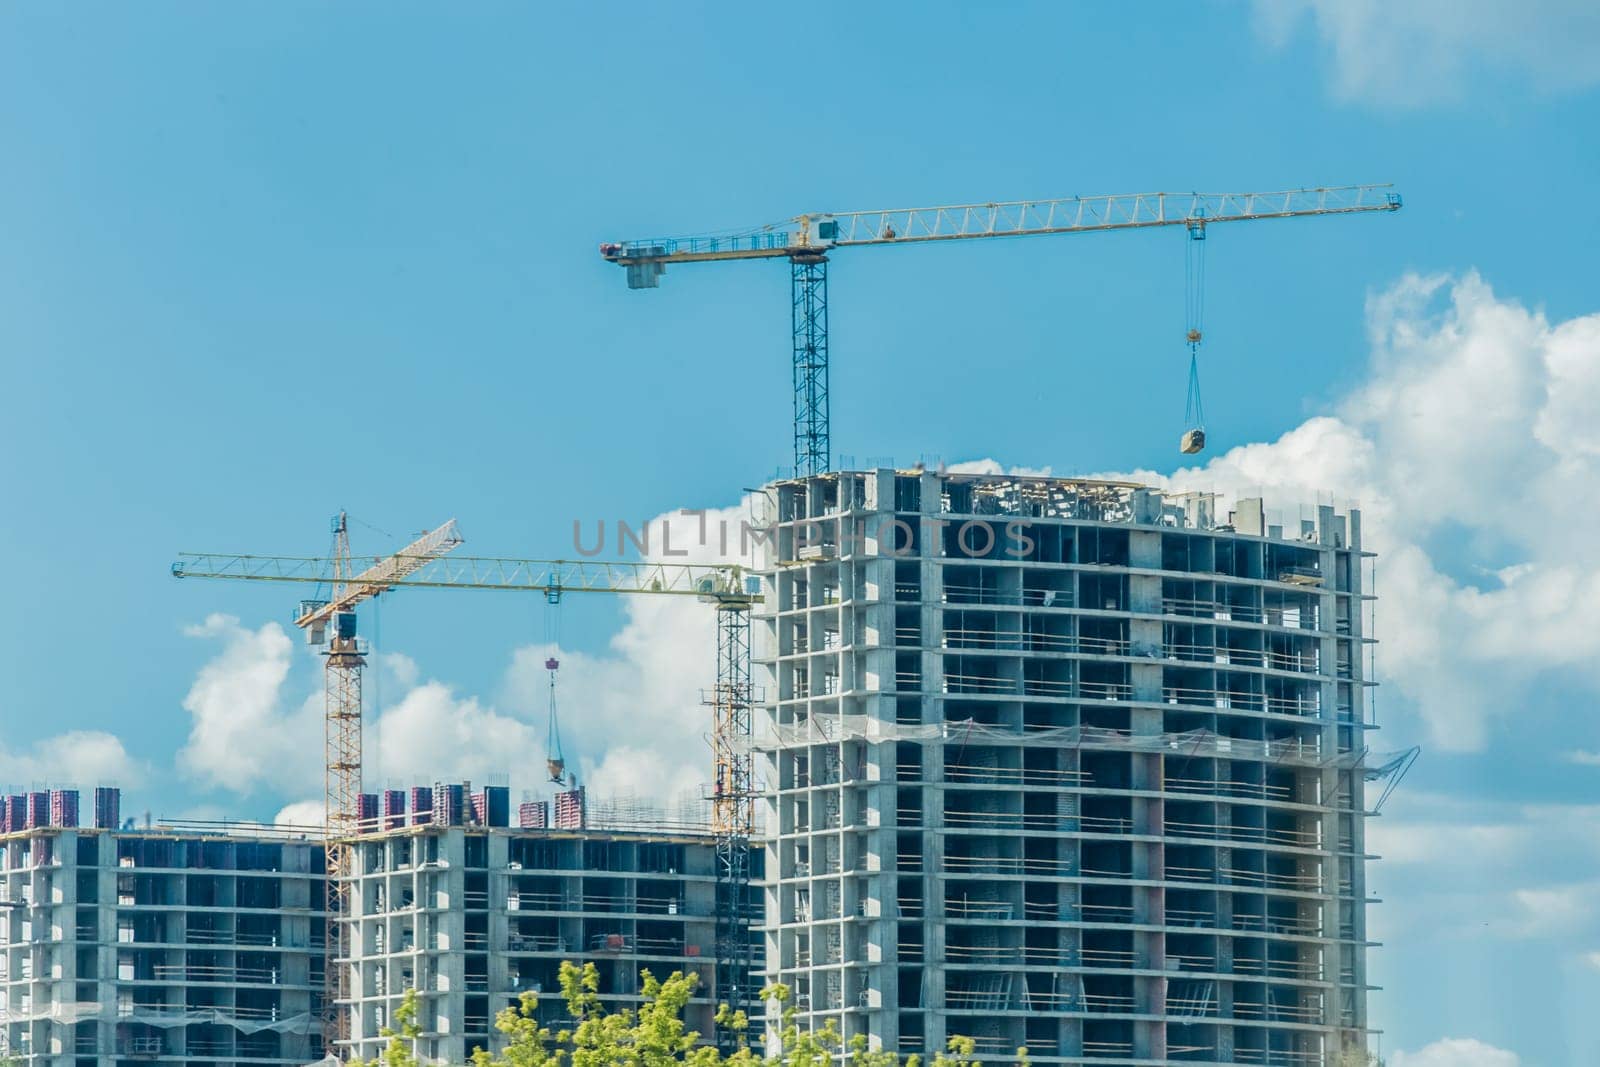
<point>1194,437</point>
<point>807,240</point>
<point>424,564</point>
<point>332,622</point>
<point>555,762</point>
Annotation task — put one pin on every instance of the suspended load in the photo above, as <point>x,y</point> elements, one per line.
<point>1194,417</point>
<point>1194,438</point>
<point>555,763</point>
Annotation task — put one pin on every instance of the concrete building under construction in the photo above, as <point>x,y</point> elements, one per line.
<point>1064,764</point>
<point>193,945</point>
<point>473,917</point>
<point>205,943</point>
<point>1060,764</point>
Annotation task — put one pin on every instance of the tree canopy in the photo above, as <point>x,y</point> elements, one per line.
<point>655,1034</point>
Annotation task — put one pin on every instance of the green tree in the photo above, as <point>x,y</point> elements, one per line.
<point>527,1042</point>
<point>817,1048</point>
<point>655,1034</point>
<point>401,1051</point>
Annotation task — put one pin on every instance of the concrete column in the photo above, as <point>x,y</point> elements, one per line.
<point>1149,865</point>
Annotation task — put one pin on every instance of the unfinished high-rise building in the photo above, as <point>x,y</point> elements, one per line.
<point>474,913</point>
<point>1064,764</point>
<point>195,944</point>
<point>205,943</point>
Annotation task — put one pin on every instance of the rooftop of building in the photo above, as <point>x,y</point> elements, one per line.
<point>1107,501</point>
<point>570,813</point>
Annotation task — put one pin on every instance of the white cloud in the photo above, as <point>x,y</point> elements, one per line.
<point>1422,52</point>
<point>432,734</point>
<point>1470,431</point>
<point>991,466</point>
<point>1450,867</point>
<point>1451,837</point>
<point>1458,1052</point>
<point>1471,427</point>
<point>300,813</point>
<point>645,772</point>
<point>1584,757</point>
<point>1436,843</point>
<point>400,668</point>
<point>1551,911</point>
<point>255,729</point>
<point>632,721</point>
<point>241,737</point>
<point>80,758</point>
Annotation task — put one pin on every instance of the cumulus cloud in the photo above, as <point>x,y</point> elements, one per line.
<point>431,733</point>
<point>993,466</point>
<point>256,726</point>
<point>632,718</point>
<point>1427,51</point>
<point>1472,427</point>
<point>241,734</point>
<point>82,758</point>
<point>300,813</point>
<point>634,715</point>
<point>401,669</point>
<point>1470,431</point>
<point>1458,1052</point>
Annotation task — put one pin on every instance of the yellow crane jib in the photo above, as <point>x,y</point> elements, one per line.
<point>708,581</point>
<point>427,563</point>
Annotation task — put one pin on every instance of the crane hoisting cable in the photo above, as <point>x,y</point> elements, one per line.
<point>808,241</point>
<point>1194,415</point>
<point>555,762</point>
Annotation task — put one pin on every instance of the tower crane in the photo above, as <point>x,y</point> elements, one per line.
<point>331,623</point>
<point>806,241</point>
<point>426,564</point>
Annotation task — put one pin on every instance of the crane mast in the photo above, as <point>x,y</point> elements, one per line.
<point>807,240</point>
<point>426,564</point>
<point>732,806</point>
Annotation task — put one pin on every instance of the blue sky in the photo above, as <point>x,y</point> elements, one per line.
<point>263,262</point>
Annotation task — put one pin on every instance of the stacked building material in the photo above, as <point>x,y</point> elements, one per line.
<point>64,808</point>
<point>570,809</point>
<point>421,805</point>
<point>533,814</point>
<point>496,805</point>
<point>38,810</point>
<point>107,807</point>
<point>449,804</point>
<point>394,808</point>
<point>367,813</point>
